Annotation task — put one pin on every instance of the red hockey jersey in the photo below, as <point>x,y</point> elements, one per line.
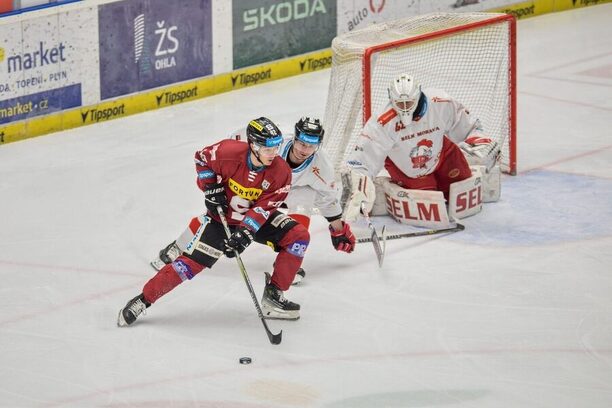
<point>252,192</point>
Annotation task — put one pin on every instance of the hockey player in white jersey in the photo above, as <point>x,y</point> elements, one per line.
<point>426,141</point>
<point>313,188</point>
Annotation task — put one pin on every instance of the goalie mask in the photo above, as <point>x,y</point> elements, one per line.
<point>404,94</point>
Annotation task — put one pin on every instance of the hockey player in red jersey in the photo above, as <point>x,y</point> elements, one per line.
<point>313,189</point>
<point>248,180</point>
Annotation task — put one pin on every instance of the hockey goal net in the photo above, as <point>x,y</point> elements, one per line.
<point>469,55</point>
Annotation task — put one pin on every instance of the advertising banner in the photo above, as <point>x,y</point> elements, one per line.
<point>266,30</point>
<point>149,43</point>
<point>462,5</point>
<point>43,64</point>
<point>356,14</point>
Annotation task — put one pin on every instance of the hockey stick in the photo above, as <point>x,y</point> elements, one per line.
<point>274,338</point>
<point>457,227</point>
<point>374,239</point>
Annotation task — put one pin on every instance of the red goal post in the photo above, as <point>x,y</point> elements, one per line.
<point>472,56</point>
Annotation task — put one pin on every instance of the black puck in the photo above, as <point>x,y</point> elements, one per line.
<point>245,360</point>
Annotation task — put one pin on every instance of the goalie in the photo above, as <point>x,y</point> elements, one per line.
<point>426,141</point>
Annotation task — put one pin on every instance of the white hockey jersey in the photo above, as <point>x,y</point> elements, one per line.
<point>414,148</point>
<point>313,183</point>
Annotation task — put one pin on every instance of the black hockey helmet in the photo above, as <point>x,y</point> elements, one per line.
<point>263,132</point>
<point>309,131</point>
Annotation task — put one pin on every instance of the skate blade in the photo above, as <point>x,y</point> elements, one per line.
<point>120,320</point>
<point>281,318</point>
<point>272,314</point>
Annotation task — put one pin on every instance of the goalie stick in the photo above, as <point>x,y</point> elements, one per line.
<point>374,239</point>
<point>274,338</point>
<point>457,227</point>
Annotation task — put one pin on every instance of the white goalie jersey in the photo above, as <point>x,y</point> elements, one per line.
<point>414,148</point>
<point>313,185</point>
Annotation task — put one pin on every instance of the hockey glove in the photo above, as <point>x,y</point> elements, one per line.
<point>343,240</point>
<point>362,190</point>
<point>214,195</point>
<point>238,241</point>
<point>480,151</point>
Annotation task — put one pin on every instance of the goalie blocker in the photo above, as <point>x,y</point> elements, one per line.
<point>427,208</point>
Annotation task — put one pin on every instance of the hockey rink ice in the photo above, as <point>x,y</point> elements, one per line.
<point>515,311</point>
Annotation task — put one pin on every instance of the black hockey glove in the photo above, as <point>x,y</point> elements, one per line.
<point>238,241</point>
<point>214,195</point>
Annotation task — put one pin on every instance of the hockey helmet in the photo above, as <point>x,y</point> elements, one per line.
<point>263,132</point>
<point>309,131</point>
<point>404,94</point>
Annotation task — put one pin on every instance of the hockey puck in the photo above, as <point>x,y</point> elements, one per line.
<point>245,360</point>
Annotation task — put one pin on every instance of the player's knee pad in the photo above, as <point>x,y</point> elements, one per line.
<point>380,202</point>
<point>421,208</point>
<point>465,196</point>
<point>296,241</point>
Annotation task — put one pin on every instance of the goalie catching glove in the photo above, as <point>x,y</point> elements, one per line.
<point>480,151</point>
<point>343,239</point>
<point>238,241</point>
<point>362,190</point>
<point>214,195</point>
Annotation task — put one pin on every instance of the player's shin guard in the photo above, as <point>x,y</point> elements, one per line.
<point>293,247</point>
<point>170,276</point>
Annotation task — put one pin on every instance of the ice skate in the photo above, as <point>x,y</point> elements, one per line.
<point>275,306</point>
<point>132,310</point>
<point>166,256</point>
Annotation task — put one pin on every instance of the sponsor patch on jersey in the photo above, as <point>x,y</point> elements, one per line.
<point>206,174</point>
<point>265,184</point>
<point>254,225</point>
<point>182,270</point>
<point>259,210</point>
<point>283,190</point>
<point>248,193</point>
<point>298,248</point>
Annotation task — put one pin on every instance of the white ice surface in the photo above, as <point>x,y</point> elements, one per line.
<point>515,311</point>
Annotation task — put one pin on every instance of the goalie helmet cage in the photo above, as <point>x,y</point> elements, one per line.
<point>472,56</point>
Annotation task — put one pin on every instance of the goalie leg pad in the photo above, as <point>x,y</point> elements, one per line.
<point>420,208</point>
<point>465,197</point>
<point>380,202</point>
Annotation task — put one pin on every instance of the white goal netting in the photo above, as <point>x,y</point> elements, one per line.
<point>469,55</point>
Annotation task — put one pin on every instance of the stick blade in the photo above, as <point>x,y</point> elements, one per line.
<point>275,338</point>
